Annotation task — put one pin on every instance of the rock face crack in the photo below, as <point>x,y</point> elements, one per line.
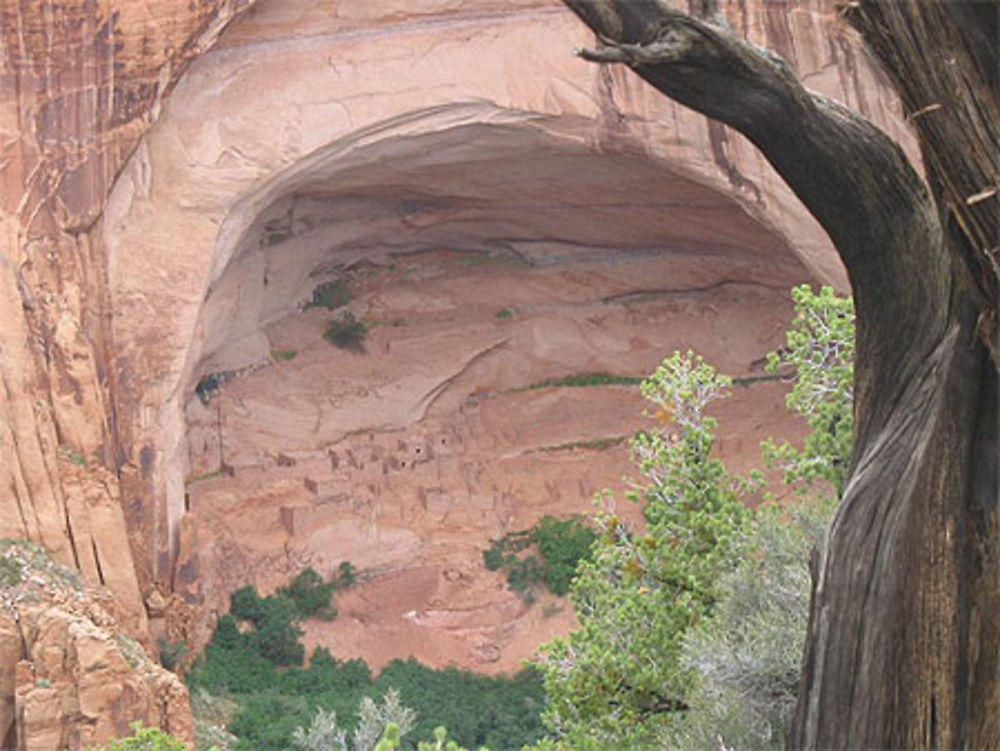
<point>694,290</point>
<point>427,401</point>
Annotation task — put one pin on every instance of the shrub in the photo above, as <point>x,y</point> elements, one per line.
<point>212,715</point>
<point>311,595</point>
<point>75,458</point>
<point>331,295</point>
<point>747,656</point>
<point>820,351</point>
<point>347,575</point>
<point>267,720</point>
<point>377,724</point>
<point>347,332</point>
<point>561,543</point>
<point>619,680</point>
<point>11,572</point>
<point>231,670</point>
<point>283,355</point>
<point>505,314</point>
<point>244,604</point>
<point>146,739</point>
<point>582,380</point>
<point>209,385</point>
<point>522,573</point>
<point>227,633</point>
<point>323,733</point>
<point>276,634</point>
<point>390,720</point>
<point>493,558</point>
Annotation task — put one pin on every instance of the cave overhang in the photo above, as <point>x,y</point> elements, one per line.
<point>257,182</point>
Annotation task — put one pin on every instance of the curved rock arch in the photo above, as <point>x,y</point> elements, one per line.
<point>236,137</point>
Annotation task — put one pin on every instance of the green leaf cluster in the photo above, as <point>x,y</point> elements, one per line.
<point>331,295</point>
<point>311,595</point>
<point>275,634</point>
<point>347,331</point>
<point>820,355</point>
<point>561,545</point>
<point>11,572</point>
<point>145,739</point>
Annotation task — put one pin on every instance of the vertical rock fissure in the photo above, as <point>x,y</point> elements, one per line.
<point>97,561</point>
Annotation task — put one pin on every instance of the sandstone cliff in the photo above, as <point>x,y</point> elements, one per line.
<point>80,82</point>
<point>70,675</point>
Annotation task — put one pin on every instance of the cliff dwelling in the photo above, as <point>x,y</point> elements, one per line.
<point>488,261</point>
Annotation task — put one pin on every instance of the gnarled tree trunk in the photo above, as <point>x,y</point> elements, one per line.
<point>905,617</point>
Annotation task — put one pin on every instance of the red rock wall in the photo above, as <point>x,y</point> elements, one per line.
<point>80,83</point>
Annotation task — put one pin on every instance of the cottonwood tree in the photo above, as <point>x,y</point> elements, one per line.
<point>905,614</point>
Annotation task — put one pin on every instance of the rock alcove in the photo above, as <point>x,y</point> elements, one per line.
<point>487,259</point>
<point>497,229</point>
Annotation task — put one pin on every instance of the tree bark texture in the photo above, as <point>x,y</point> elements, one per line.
<point>905,617</point>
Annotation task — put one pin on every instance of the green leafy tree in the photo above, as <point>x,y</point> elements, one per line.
<point>727,645</point>
<point>561,544</point>
<point>244,604</point>
<point>227,633</point>
<point>347,331</point>
<point>276,633</point>
<point>616,681</point>
<point>820,355</point>
<point>347,575</point>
